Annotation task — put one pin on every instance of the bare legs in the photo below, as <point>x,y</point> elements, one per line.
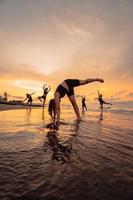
<point>42,101</point>
<point>57,106</point>
<point>108,103</point>
<point>75,106</point>
<point>101,114</point>
<point>84,106</point>
<point>40,98</point>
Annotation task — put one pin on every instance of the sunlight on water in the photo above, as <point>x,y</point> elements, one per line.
<point>91,159</point>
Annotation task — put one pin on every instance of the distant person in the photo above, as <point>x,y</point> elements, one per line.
<point>101,101</point>
<point>5,96</point>
<point>29,97</point>
<point>46,89</point>
<point>83,104</point>
<point>67,87</point>
<point>51,108</point>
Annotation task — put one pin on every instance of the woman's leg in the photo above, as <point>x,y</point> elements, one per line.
<point>85,107</point>
<point>44,99</point>
<point>40,98</point>
<point>75,106</point>
<point>57,106</point>
<point>30,103</point>
<point>101,106</point>
<point>107,103</point>
<point>86,81</point>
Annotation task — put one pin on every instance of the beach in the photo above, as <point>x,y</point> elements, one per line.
<point>87,160</point>
<point>10,107</point>
<point>14,107</point>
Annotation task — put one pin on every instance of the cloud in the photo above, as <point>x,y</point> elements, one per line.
<point>22,71</point>
<point>2,1</point>
<point>53,40</point>
<point>117,94</point>
<point>73,29</point>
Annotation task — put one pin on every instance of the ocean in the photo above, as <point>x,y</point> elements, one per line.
<point>90,160</point>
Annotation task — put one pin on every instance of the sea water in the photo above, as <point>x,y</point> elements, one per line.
<point>92,159</point>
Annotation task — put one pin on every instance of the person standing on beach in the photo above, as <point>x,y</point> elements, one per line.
<point>29,97</point>
<point>83,104</point>
<point>46,89</point>
<point>101,101</point>
<point>67,87</point>
<point>5,96</point>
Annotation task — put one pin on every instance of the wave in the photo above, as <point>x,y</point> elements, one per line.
<point>122,111</point>
<point>114,110</point>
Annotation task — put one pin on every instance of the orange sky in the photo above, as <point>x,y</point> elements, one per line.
<point>48,41</point>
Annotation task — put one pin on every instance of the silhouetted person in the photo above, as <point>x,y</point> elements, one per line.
<point>101,101</point>
<point>67,88</point>
<point>46,89</point>
<point>83,104</point>
<point>5,96</point>
<point>29,97</point>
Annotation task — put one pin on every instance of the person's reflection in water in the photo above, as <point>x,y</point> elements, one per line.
<point>61,150</point>
<point>76,127</point>
<point>83,113</point>
<point>43,113</point>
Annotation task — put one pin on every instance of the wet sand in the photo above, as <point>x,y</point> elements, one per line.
<point>87,160</point>
<point>10,107</point>
<point>13,107</point>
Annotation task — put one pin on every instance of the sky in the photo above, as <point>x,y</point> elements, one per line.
<point>47,41</point>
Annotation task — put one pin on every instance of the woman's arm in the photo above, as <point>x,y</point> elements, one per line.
<point>49,88</point>
<point>98,92</point>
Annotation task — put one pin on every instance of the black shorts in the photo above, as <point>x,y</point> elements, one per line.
<point>62,91</point>
<point>29,101</point>
<point>71,83</point>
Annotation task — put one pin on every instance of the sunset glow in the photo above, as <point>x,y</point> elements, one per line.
<point>49,41</point>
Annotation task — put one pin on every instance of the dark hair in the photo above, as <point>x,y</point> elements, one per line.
<point>51,107</point>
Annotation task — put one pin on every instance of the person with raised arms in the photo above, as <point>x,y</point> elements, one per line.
<point>29,97</point>
<point>101,101</point>
<point>46,89</point>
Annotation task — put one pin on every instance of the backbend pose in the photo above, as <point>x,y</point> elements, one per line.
<point>67,87</point>
<point>100,98</point>
<point>29,97</point>
<point>83,103</point>
<point>45,92</point>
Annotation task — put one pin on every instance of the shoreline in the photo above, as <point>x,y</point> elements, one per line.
<point>4,107</point>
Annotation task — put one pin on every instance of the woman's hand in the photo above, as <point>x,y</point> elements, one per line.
<point>100,80</point>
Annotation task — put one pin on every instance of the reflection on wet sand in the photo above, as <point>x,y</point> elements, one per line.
<point>43,113</point>
<point>60,152</point>
<point>61,149</point>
